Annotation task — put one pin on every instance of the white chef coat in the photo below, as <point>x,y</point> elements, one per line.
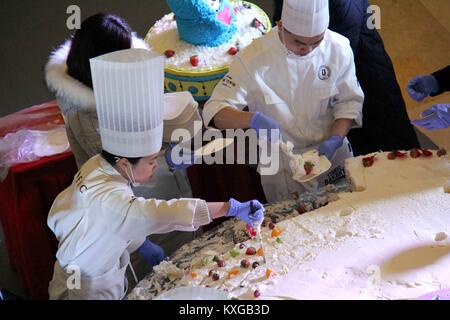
<point>306,95</point>
<point>98,221</point>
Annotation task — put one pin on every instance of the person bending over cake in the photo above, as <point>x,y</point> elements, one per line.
<point>98,221</point>
<point>386,124</point>
<point>299,79</point>
<point>68,75</point>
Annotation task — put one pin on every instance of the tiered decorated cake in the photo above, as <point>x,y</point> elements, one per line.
<point>200,39</point>
<point>388,239</point>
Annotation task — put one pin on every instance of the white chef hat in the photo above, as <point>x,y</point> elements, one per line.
<point>129,95</point>
<point>306,18</point>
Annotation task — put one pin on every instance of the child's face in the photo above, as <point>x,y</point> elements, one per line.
<point>145,169</point>
<point>214,4</point>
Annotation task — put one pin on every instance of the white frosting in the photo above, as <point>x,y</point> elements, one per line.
<point>167,269</point>
<point>164,36</point>
<point>215,5</point>
<point>388,241</point>
<point>297,162</point>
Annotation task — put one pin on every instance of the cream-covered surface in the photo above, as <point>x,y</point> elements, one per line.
<point>387,241</point>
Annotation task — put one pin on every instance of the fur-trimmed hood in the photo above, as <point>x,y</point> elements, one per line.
<point>67,88</point>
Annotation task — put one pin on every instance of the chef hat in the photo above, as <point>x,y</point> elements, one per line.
<point>129,95</point>
<point>306,18</point>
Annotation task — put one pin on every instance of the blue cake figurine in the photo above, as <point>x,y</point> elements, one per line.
<point>204,22</point>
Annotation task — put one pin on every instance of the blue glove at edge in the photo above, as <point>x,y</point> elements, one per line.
<point>329,147</point>
<point>440,119</point>
<point>422,86</point>
<point>251,212</point>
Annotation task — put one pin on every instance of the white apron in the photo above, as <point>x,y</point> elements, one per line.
<point>112,285</point>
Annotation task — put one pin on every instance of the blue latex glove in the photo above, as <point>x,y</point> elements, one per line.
<point>251,212</point>
<point>421,87</point>
<point>436,117</point>
<point>152,253</point>
<point>169,155</point>
<point>329,147</point>
<point>260,121</point>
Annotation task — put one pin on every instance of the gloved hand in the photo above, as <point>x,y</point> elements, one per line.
<point>260,121</point>
<point>421,87</point>
<point>436,117</point>
<point>251,212</point>
<point>152,253</point>
<point>169,156</point>
<point>329,147</point>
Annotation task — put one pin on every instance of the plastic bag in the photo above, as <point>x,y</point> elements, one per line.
<point>30,135</point>
<point>26,146</point>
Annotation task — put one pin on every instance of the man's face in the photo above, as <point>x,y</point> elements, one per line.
<point>299,45</point>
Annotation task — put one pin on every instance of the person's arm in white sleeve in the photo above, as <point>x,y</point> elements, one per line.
<point>142,217</point>
<point>216,210</point>
<point>158,216</point>
<point>228,100</point>
<point>348,103</point>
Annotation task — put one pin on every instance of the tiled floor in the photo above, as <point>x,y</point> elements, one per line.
<point>416,35</point>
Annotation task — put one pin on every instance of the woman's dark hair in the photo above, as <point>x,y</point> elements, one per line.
<point>112,159</point>
<point>99,34</point>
